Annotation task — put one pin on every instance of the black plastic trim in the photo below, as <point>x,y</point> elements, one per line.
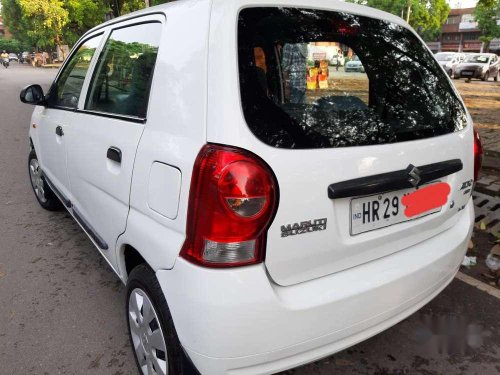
<point>91,232</point>
<point>115,154</point>
<point>124,18</point>
<point>391,181</point>
<point>139,120</point>
<point>56,191</point>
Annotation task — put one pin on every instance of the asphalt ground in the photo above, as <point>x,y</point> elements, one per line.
<point>62,308</point>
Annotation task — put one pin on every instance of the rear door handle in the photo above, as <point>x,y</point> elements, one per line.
<point>115,154</point>
<point>59,131</point>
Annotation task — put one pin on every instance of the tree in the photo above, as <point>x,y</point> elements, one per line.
<point>14,20</point>
<point>83,15</point>
<point>12,45</point>
<point>425,16</point>
<point>45,23</point>
<point>37,22</point>
<point>487,15</point>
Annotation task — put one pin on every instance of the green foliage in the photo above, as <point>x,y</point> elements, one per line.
<point>47,23</point>
<point>425,16</point>
<point>487,15</point>
<point>83,15</point>
<point>14,20</point>
<point>47,18</point>
<point>13,45</point>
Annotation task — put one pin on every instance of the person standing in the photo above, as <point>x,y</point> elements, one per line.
<point>294,65</point>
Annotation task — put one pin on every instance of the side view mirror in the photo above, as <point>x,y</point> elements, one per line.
<point>32,94</point>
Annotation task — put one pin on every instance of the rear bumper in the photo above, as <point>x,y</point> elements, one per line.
<point>239,322</point>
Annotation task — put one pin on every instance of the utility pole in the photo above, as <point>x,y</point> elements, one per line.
<point>147,3</point>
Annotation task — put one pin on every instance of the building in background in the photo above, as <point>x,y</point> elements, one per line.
<point>460,34</point>
<point>4,33</point>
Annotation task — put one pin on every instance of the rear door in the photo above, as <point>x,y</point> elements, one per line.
<point>107,128</point>
<point>347,149</point>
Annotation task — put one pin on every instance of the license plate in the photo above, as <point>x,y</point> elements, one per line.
<point>381,210</point>
<point>467,73</point>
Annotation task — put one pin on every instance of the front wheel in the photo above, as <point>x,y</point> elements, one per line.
<point>486,76</point>
<point>156,347</point>
<point>44,195</point>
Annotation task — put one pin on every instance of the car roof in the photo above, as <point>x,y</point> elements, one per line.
<point>162,8</point>
<point>338,5</point>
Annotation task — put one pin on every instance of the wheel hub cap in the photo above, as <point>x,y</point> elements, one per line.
<point>37,180</point>
<point>147,335</point>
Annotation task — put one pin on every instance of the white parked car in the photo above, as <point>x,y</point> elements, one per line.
<point>257,228</point>
<point>449,61</point>
<point>338,59</point>
<point>354,65</point>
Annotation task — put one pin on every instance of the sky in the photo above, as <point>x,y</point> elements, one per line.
<point>462,3</point>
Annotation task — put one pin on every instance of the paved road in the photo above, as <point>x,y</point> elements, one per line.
<point>62,308</point>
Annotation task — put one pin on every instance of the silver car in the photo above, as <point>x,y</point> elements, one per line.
<point>449,61</point>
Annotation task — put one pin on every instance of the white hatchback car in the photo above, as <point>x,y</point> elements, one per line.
<point>258,224</point>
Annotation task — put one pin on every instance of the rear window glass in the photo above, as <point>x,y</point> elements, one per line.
<point>318,79</point>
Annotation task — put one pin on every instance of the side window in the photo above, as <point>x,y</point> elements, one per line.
<point>122,79</point>
<point>65,92</point>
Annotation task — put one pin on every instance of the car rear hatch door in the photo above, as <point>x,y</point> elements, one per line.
<point>349,150</point>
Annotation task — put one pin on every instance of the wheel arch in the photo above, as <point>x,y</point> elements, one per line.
<point>129,258</point>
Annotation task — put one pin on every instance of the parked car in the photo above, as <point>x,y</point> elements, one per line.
<point>255,234</point>
<point>338,59</point>
<point>354,65</point>
<point>25,57</point>
<point>13,57</point>
<point>449,61</point>
<point>479,65</point>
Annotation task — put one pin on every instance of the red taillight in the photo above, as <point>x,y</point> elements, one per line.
<point>478,155</point>
<point>232,201</point>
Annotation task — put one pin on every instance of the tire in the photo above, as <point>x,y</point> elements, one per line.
<point>496,77</point>
<point>43,193</point>
<point>486,76</point>
<point>142,283</point>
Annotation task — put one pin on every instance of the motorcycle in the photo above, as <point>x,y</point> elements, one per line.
<point>5,62</point>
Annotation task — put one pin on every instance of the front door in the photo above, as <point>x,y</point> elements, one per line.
<point>106,130</point>
<point>54,120</point>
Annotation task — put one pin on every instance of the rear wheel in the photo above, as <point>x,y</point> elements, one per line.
<point>44,195</point>
<point>496,77</point>
<point>156,347</point>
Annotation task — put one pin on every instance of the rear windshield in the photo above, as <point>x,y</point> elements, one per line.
<point>297,93</point>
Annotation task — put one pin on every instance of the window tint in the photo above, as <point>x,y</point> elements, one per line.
<point>65,92</point>
<point>314,79</point>
<point>122,80</point>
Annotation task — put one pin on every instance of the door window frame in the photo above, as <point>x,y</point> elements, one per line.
<point>153,17</point>
<point>71,55</point>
